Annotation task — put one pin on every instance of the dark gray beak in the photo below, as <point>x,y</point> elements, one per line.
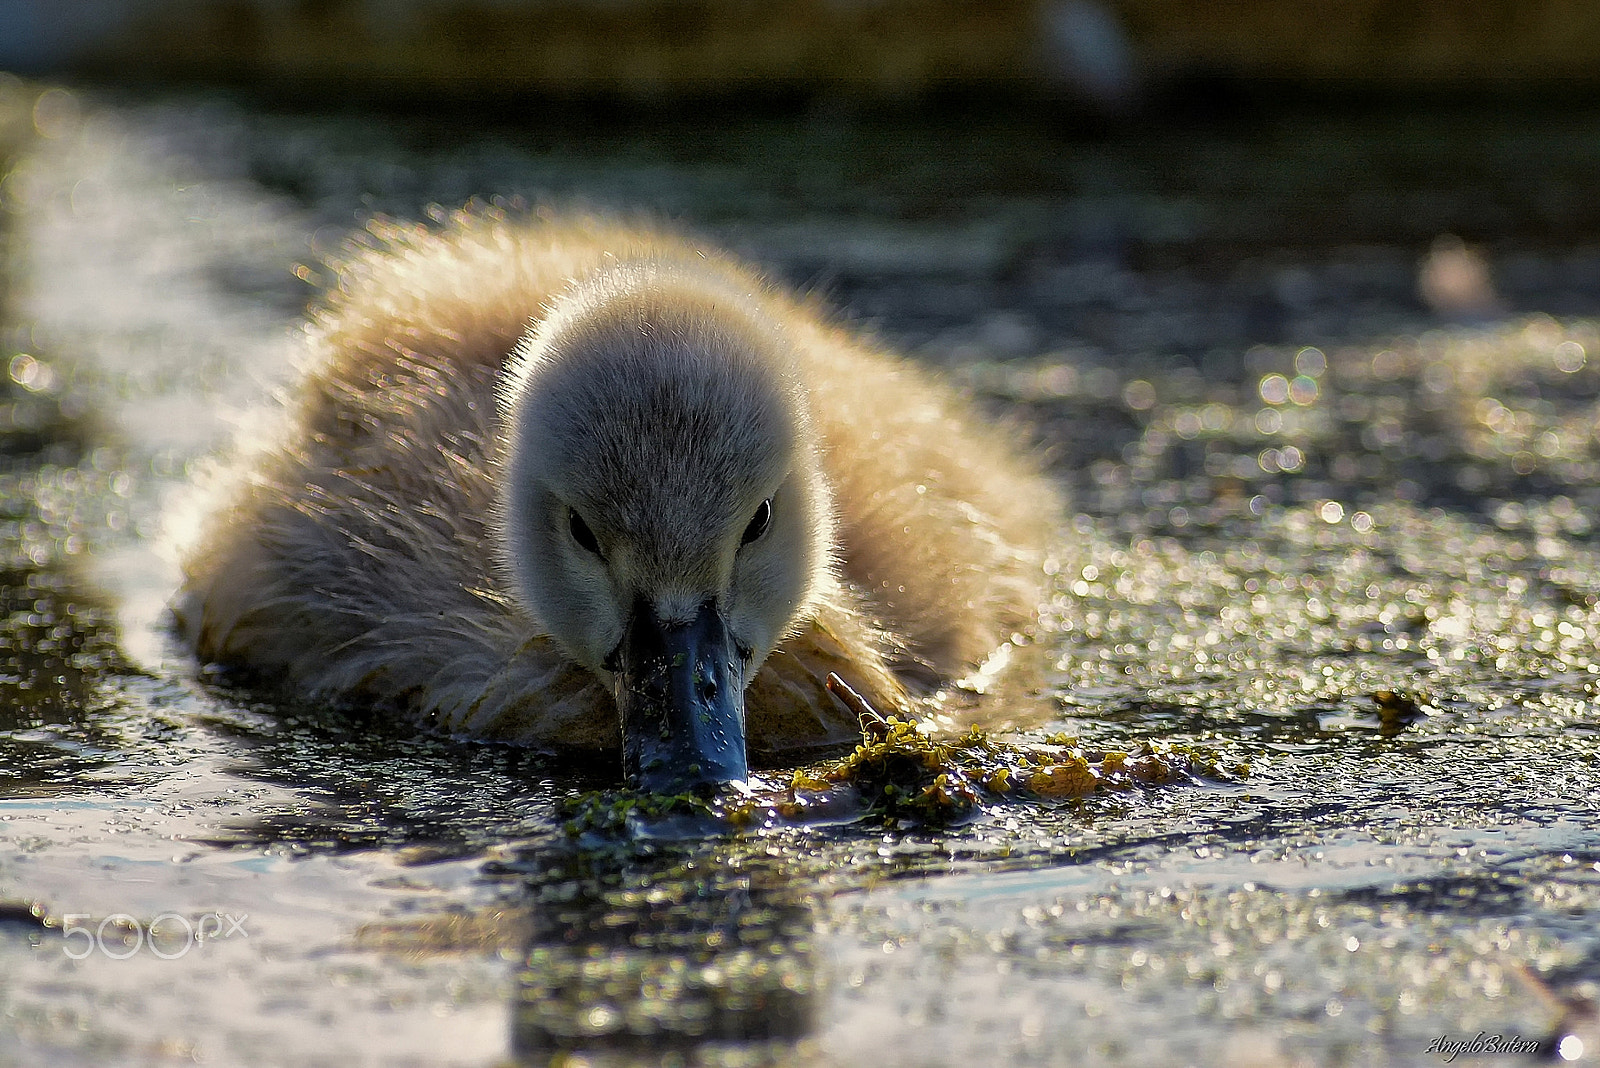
<point>680,689</point>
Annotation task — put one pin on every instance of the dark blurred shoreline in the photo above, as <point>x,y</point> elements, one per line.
<point>1085,61</point>
<point>1210,98</point>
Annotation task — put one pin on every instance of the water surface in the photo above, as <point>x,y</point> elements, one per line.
<point>1318,527</point>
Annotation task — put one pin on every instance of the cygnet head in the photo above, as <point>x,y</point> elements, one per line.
<point>663,514</point>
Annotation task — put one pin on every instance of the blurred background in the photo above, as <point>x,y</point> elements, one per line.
<point>1108,52</point>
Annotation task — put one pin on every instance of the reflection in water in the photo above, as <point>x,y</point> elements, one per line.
<point>631,951</point>
<point>633,954</point>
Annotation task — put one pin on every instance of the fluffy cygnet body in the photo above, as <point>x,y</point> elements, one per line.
<point>574,483</point>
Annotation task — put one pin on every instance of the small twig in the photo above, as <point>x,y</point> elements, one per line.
<point>1576,1017</point>
<point>873,723</point>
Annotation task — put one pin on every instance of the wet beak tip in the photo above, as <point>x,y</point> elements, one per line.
<point>680,694</point>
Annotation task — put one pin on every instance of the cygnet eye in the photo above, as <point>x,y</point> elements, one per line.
<point>582,534</point>
<point>758,522</point>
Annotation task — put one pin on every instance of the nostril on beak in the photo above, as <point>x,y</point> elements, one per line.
<point>708,687</point>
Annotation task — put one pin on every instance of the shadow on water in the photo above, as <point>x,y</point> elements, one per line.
<point>361,782</point>
<point>643,956</point>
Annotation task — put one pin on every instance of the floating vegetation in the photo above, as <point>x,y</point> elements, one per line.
<point>907,774</point>
<point>1396,711</point>
<point>902,772</point>
<point>607,814</point>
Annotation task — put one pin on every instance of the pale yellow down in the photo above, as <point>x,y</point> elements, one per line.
<point>357,557</point>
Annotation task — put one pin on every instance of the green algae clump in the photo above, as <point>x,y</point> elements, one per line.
<point>901,772</point>
<point>907,774</point>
